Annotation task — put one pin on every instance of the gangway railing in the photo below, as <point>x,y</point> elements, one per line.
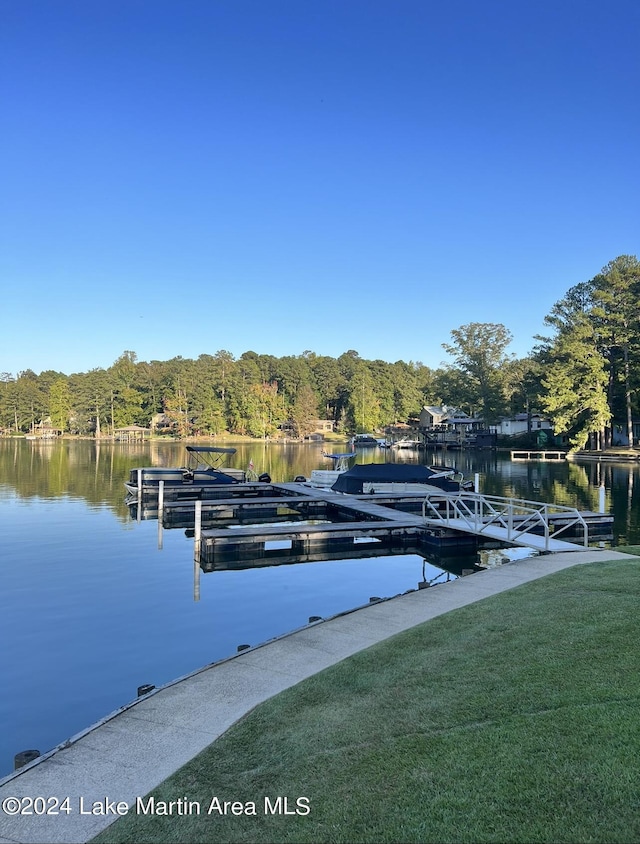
<point>517,516</point>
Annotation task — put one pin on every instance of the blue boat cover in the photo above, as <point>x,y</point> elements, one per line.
<point>352,481</point>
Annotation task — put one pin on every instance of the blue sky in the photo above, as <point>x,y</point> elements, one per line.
<point>283,175</point>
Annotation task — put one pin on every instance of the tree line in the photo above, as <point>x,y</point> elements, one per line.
<point>583,375</point>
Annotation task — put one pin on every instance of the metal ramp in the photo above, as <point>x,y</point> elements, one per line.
<point>514,520</point>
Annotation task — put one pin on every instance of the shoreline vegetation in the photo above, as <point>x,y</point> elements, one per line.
<point>511,719</point>
<point>583,377</point>
<point>624,453</point>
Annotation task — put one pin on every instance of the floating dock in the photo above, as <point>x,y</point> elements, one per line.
<point>257,524</point>
<point>314,524</point>
<point>525,454</point>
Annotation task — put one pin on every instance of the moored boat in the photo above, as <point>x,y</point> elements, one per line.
<point>406,442</point>
<point>364,441</point>
<point>203,468</point>
<point>400,477</point>
<point>325,478</point>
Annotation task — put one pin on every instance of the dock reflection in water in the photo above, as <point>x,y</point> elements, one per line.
<point>278,527</point>
<point>256,525</point>
<point>92,610</point>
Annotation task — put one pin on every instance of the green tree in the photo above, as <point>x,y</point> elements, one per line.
<point>479,352</point>
<point>327,378</point>
<point>409,380</point>
<point>126,408</point>
<point>383,387</point>
<point>262,409</point>
<point>28,403</point>
<point>123,370</point>
<point>292,374</point>
<point>450,386</point>
<point>522,384</point>
<point>224,363</point>
<point>363,405</point>
<point>576,382</point>
<point>616,294</point>
<point>92,393</point>
<point>207,409</point>
<point>175,405</point>
<point>304,412</point>
<point>60,404</point>
<point>7,382</point>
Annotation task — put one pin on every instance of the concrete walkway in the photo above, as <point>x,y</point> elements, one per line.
<point>131,752</point>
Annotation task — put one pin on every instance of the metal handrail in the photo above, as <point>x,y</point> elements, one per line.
<point>481,511</point>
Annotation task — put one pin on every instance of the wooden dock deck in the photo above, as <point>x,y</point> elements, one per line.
<point>538,454</point>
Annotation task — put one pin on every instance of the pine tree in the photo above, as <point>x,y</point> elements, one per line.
<point>616,294</point>
<point>575,383</point>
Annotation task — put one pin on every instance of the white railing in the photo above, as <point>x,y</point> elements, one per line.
<point>515,515</point>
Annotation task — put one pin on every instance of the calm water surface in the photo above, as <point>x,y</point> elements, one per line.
<point>91,609</point>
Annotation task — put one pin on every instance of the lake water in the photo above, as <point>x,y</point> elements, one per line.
<point>91,608</point>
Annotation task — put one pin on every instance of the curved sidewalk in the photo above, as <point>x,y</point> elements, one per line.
<point>129,753</point>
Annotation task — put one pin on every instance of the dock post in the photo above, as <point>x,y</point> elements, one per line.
<point>139,513</point>
<point>160,512</point>
<point>601,499</point>
<point>476,482</point>
<point>196,580</point>
<point>197,530</point>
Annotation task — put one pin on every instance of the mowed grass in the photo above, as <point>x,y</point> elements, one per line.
<point>515,719</point>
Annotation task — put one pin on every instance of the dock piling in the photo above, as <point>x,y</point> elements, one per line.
<point>196,581</point>
<point>160,513</point>
<point>197,530</point>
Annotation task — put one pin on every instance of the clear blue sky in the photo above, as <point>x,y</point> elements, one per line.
<point>282,175</point>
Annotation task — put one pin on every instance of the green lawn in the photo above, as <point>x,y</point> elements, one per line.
<point>515,719</point>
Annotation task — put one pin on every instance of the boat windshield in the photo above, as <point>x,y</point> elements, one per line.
<point>207,456</point>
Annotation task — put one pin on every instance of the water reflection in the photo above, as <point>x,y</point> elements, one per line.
<point>93,609</point>
<point>95,472</point>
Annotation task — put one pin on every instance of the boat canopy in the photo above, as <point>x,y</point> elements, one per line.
<point>208,449</point>
<point>209,456</point>
<point>352,481</point>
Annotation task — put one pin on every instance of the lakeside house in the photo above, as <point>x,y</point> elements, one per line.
<point>161,423</point>
<point>522,423</point>
<point>321,426</point>
<point>445,425</point>
<point>432,415</point>
<point>44,430</point>
<point>619,433</point>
